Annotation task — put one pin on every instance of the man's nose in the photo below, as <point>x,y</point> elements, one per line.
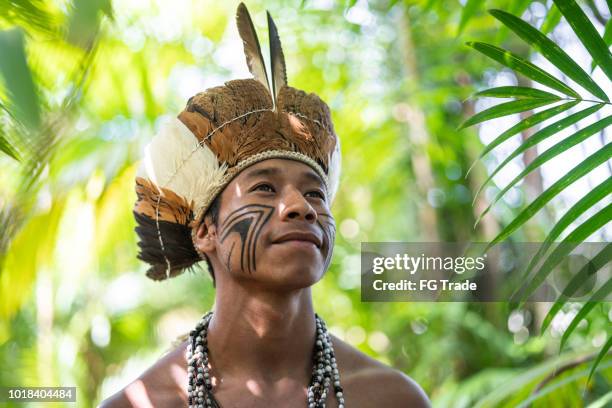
<point>294,205</point>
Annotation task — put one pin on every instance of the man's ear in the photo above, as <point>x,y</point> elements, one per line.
<point>206,236</point>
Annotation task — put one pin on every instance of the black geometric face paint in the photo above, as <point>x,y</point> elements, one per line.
<point>247,222</point>
<point>328,226</point>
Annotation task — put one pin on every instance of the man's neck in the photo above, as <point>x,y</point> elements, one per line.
<point>261,335</point>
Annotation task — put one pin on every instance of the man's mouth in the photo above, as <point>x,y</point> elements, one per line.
<point>299,238</point>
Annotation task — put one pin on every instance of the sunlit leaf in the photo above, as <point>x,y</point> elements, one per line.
<point>506,108</point>
<point>594,160</point>
<point>589,36</point>
<point>114,226</point>
<point>516,92</point>
<point>29,251</point>
<point>28,14</point>
<point>550,51</point>
<point>522,66</point>
<point>553,152</point>
<point>541,135</point>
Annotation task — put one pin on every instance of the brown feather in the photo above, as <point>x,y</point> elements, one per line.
<point>178,247</point>
<point>196,122</point>
<point>277,59</point>
<point>252,49</point>
<point>172,207</point>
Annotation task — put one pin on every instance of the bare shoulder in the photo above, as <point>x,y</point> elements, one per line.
<point>161,385</point>
<point>368,382</point>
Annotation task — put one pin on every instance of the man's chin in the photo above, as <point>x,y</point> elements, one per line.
<point>289,277</point>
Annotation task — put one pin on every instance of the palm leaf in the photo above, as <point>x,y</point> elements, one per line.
<point>551,153</point>
<point>587,34</point>
<point>522,66</point>
<point>18,78</point>
<point>506,108</point>
<point>595,264</point>
<point>600,402</point>
<point>516,92</point>
<point>555,386</point>
<point>526,378</point>
<point>597,297</point>
<point>6,147</point>
<point>570,242</point>
<point>552,19</point>
<point>537,137</point>
<point>28,14</point>
<point>607,37</point>
<point>550,51</point>
<point>600,356</point>
<point>522,125</point>
<point>594,160</point>
<point>586,202</point>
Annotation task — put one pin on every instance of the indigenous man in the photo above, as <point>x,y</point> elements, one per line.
<point>244,179</point>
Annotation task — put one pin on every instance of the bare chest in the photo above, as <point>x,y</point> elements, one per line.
<point>244,398</point>
<point>247,395</point>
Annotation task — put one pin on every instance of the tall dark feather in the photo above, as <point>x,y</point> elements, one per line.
<point>277,59</point>
<point>252,50</point>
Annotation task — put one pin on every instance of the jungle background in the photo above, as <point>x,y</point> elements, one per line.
<point>90,81</point>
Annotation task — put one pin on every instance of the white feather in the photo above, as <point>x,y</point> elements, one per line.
<point>335,164</point>
<point>176,161</point>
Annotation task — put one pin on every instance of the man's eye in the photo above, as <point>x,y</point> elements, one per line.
<point>264,187</point>
<point>317,194</point>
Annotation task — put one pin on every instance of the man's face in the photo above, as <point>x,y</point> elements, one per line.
<point>274,227</point>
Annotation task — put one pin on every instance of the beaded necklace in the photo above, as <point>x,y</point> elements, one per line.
<point>324,368</point>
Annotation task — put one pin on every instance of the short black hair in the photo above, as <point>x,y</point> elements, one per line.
<point>213,213</point>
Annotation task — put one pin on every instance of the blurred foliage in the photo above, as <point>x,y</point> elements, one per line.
<point>84,89</point>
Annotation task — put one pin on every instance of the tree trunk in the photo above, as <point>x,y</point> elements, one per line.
<point>418,135</point>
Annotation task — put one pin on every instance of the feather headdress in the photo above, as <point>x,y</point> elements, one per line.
<point>222,131</point>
